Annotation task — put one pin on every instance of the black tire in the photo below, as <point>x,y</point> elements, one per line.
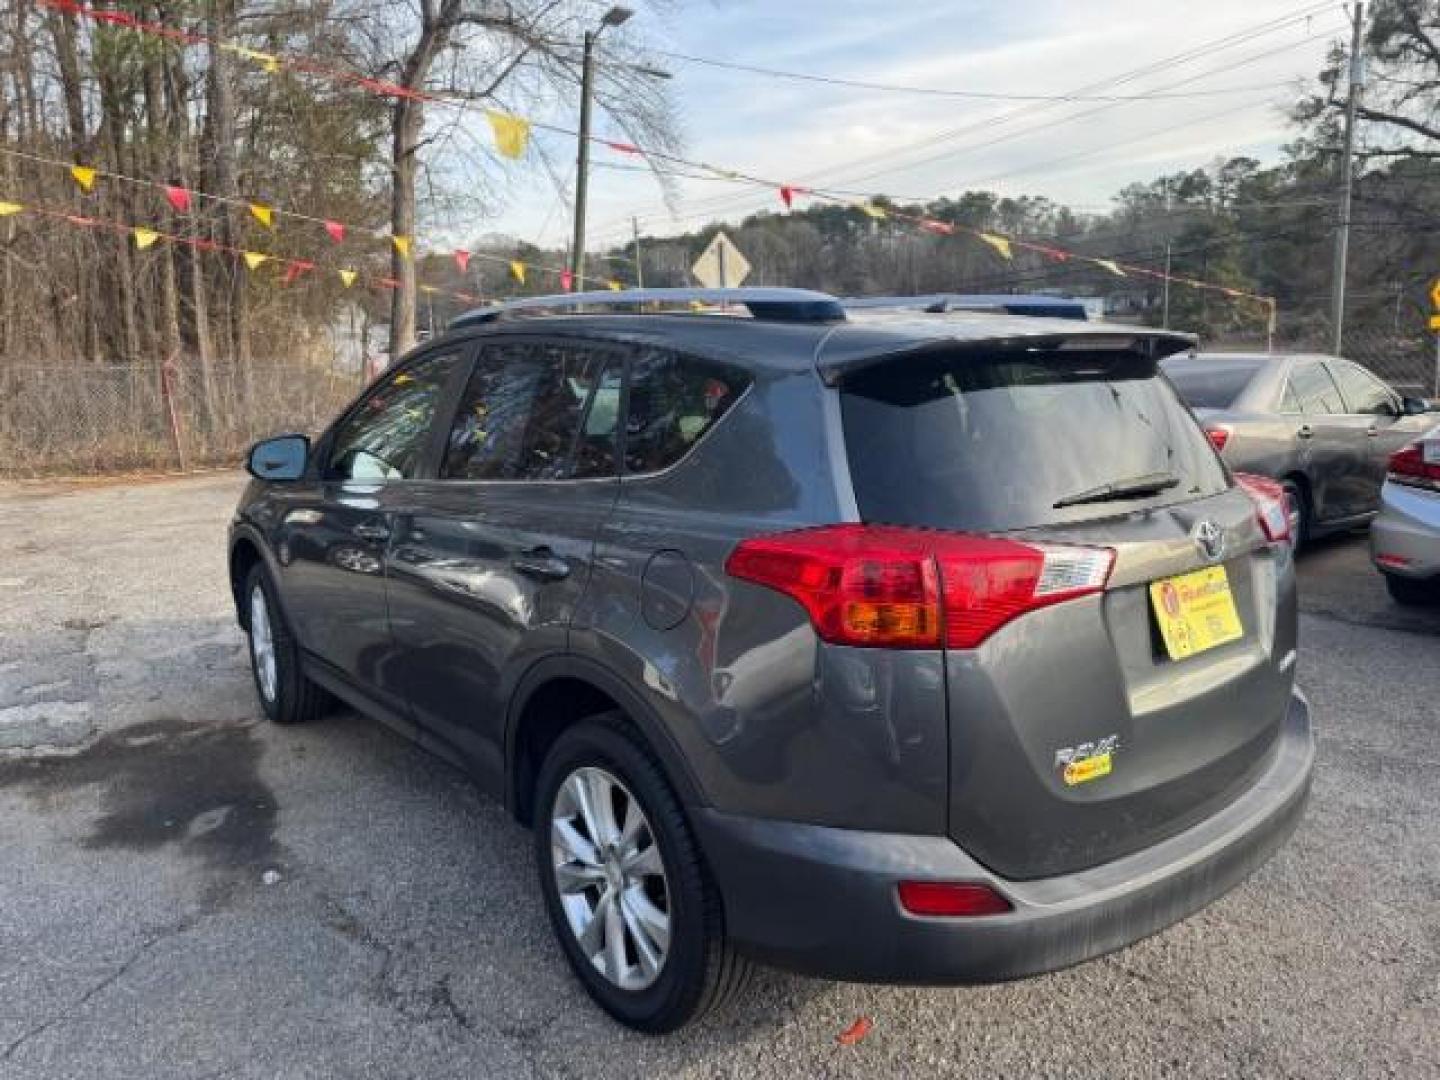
<point>1295,496</point>
<point>295,699</point>
<point>1413,592</point>
<point>700,971</point>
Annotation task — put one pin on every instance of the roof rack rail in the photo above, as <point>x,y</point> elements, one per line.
<point>774,304</point>
<point>1032,304</point>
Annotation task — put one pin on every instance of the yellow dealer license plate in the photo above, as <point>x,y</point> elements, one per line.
<point>1196,611</point>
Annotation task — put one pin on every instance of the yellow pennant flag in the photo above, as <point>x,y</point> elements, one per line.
<point>874,211</point>
<point>348,277</point>
<point>8,208</point>
<point>518,269</point>
<point>254,260</point>
<point>402,245</point>
<point>512,133</point>
<point>84,176</point>
<point>263,214</point>
<point>144,237</point>
<point>429,290</point>
<point>999,243</point>
<point>1112,266</point>
<point>615,286</point>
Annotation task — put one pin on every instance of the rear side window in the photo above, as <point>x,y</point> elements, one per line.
<point>959,441</point>
<point>674,399</point>
<point>1363,392</point>
<point>529,412</point>
<point>1211,383</point>
<point>1315,389</point>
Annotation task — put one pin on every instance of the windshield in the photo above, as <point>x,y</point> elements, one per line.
<point>992,444</point>
<point>1208,382</point>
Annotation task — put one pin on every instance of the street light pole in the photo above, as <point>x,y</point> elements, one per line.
<point>614,17</point>
<point>1347,176</point>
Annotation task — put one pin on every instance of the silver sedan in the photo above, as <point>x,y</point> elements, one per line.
<point>1322,426</point>
<point>1405,539</point>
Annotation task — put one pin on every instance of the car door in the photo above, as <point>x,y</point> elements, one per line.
<point>333,532</point>
<point>487,566</point>
<point>1331,450</point>
<point>1387,429</point>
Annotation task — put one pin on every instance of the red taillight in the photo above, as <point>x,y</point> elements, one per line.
<point>1417,465</point>
<point>1271,509</point>
<point>951,899</point>
<point>898,588</point>
<point>1218,434</point>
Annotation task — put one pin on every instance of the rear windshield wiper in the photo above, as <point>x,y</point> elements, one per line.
<point>1134,487</point>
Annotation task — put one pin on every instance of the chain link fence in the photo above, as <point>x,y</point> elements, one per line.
<point>72,419</point>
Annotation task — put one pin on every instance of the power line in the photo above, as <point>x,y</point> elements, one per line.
<point>978,95</point>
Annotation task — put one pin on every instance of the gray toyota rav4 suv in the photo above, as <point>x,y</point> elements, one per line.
<point>905,647</point>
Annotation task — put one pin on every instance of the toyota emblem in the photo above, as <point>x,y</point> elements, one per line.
<point>1210,539</point>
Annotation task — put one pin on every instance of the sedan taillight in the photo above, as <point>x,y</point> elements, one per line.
<point>1271,510</point>
<point>899,588</point>
<point>1418,465</point>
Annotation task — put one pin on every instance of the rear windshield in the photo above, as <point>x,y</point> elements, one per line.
<point>1207,383</point>
<point>959,441</point>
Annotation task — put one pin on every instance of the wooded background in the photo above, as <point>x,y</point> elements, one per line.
<point>87,320</point>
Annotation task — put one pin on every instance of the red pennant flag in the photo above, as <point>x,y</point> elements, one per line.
<point>939,228</point>
<point>388,282</point>
<point>462,260</point>
<point>567,280</point>
<point>294,269</point>
<point>76,219</point>
<point>623,147</point>
<point>336,231</point>
<point>178,197</point>
<point>787,195</point>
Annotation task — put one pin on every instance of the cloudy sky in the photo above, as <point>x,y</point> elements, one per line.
<point>1237,61</point>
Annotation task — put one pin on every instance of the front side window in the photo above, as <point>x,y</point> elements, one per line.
<point>385,437</point>
<point>1315,389</point>
<point>674,400</point>
<point>1363,393</point>
<point>535,412</point>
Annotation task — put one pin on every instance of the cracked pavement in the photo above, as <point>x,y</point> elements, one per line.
<point>142,802</point>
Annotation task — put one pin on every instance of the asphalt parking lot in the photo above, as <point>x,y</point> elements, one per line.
<point>187,892</point>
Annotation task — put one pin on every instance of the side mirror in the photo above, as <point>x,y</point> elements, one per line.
<point>280,458</point>
<point>1413,406</point>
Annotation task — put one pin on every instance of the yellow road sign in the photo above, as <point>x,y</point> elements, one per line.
<point>1435,294</point>
<point>1435,323</point>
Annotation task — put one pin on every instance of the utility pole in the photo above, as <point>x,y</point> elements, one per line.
<point>1347,176</point>
<point>614,17</point>
<point>639,269</point>
<point>1165,317</point>
<point>582,161</point>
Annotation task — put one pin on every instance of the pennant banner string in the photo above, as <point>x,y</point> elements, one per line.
<point>511,133</point>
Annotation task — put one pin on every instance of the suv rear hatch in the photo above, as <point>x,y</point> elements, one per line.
<point>1079,732</point>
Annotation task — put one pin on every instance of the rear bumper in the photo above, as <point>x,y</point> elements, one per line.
<point>1408,529</point>
<point>823,901</point>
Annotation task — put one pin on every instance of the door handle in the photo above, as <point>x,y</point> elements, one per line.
<point>1305,431</point>
<point>371,531</point>
<point>541,563</point>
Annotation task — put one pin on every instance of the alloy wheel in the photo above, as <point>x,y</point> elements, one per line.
<point>262,644</point>
<point>610,878</point>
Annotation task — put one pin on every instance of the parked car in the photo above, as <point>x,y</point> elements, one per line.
<point>930,650</point>
<point>1405,539</point>
<point>1322,426</point>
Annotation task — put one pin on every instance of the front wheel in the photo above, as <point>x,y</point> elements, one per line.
<point>634,908</point>
<point>286,694</point>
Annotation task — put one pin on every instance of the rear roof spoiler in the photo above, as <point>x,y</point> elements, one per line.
<point>1037,305</point>
<point>861,347</point>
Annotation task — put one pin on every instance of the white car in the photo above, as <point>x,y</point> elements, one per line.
<point>1405,538</point>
